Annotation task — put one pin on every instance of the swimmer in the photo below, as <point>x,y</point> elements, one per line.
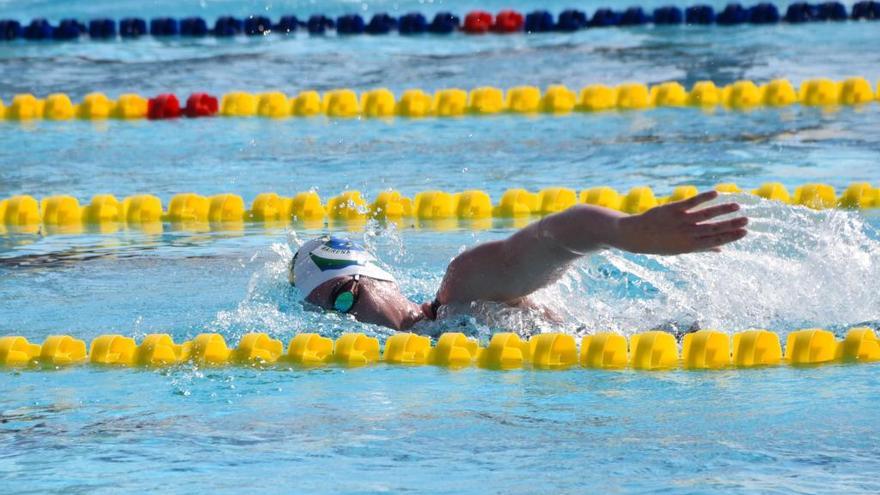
<point>338,275</point>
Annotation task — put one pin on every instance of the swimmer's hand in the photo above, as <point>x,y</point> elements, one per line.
<point>678,228</point>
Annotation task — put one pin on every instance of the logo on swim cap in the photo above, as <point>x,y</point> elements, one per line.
<point>326,258</point>
<point>338,254</point>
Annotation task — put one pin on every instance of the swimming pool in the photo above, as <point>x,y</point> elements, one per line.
<point>394,429</point>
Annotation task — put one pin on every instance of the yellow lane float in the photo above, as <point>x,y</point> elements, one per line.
<point>415,103</point>
<point>145,211</point>
<point>653,350</point>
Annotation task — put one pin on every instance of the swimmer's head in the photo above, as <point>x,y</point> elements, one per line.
<point>338,274</point>
<point>328,257</point>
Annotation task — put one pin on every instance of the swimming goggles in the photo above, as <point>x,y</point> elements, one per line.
<point>345,296</point>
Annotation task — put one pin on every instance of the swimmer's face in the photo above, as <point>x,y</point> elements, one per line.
<point>379,302</point>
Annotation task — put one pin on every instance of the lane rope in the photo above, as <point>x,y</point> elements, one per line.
<point>451,102</point>
<point>652,350</point>
<point>442,23</point>
<point>430,209</point>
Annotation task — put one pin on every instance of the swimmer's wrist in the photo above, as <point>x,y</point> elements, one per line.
<point>626,235</point>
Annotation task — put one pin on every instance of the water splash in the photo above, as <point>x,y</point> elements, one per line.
<point>797,268</point>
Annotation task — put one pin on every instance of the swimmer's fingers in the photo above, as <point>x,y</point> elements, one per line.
<point>713,242</point>
<point>712,212</point>
<point>715,228</point>
<point>695,201</point>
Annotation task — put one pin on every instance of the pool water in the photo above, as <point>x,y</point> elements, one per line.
<point>427,429</point>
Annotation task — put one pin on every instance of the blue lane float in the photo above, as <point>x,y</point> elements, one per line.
<point>414,23</point>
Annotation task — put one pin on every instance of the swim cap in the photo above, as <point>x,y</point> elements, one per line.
<point>326,257</point>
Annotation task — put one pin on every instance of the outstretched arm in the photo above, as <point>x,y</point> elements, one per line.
<point>537,255</point>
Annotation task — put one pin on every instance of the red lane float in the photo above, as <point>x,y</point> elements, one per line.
<point>164,106</point>
<point>201,105</point>
<point>478,22</point>
<point>508,21</point>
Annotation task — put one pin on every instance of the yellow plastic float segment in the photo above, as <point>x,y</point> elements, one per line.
<point>257,348</point>
<point>810,346</point>
<point>103,208</point>
<point>62,350</point>
<point>310,349</point>
<point>21,211</point>
<point>61,210</point>
<point>209,349</point>
<point>485,100</point>
<point>415,103</point>
<point>773,191</point>
<point>238,104</point>
<point>669,94</point>
<point>348,206</point>
<point>756,348</point>
<point>116,350</point>
<point>25,107</point>
<point>226,208</point>
<point>604,350</point>
<point>553,351</point>
<point>516,203</point>
<point>505,351</point>
<point>555,199</point>
<point>473,204</point>
<point>2,109</point>
<point>270,207</point>
<point>741,95</point>
<point>391,204</point>
<point>859,195</point>
<point>188,207</point>
<point>378,103</point>
<point>58,107</point>
<point>341,103</point>
<point>450,102</point>
<point>604,196</point>
<point>633,96</point>
<point>653,351</point>
<point>523,99</point>
<point>159,349</point>
<point>356,349</point>
<point>855,91</point>
<point>434,205</point>
<point>130,106</point>
<point>819,92</point>
<point>307,207</point>
<point>407,348</point>
<point>454,350</point>
<point>860,344</point>
<point>638,200</point>
<point>274,105</point>
<point>681,193</point>
<point>17,351</point>
<point>704,94</point>
<point>142,209</point>
<point>596,98</point>
<point>778,93</point>
<point>95,106</point>
<point>558,99</point>
<point>306,104</point>
<point>727,188</point>
<point>816,196</point>
<point>705,349</point>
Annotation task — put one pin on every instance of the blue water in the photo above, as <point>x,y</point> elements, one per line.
<point>425,429</point>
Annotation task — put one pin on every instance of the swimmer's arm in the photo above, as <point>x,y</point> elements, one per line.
<point>537,255</point>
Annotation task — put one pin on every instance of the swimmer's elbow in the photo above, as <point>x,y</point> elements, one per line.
<point>472,274</point>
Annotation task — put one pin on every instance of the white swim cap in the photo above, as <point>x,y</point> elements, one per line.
<point>326,257</point>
